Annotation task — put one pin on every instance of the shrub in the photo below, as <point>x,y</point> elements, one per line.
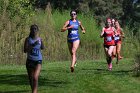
<point>137,65</point>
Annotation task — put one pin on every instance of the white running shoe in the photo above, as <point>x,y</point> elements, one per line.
<point>75,64</point>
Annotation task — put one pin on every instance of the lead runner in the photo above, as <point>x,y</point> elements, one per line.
<point>73,39</point>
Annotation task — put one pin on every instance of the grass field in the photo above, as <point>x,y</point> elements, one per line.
<point>89,77</point>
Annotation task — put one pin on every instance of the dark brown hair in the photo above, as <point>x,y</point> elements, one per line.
<point>33,28</point>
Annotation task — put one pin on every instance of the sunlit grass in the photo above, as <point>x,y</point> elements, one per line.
<point>89,77</point>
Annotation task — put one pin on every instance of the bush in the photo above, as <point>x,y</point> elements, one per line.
<point>21,8</point>
<point>137,65</point>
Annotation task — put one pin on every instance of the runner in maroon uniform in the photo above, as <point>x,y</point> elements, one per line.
<point>108,33</point>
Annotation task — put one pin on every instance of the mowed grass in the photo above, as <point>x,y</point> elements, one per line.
<point>89,77</point>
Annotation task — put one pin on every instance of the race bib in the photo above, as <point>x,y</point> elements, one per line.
<point>109,38</point>
<point>117,38</point>
<point>35,52</point>
<point>74,32</point>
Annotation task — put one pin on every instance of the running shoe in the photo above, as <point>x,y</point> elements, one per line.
<point>72,69</point>
<point>75,64</point>
<point>120,58</point>
<point>110,66</point>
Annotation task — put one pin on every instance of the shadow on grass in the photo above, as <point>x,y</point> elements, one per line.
<point>20,91</point>
<point>22,79</point>
<point>10,79</point>
<point>51,83</point>
<point>107,72</point>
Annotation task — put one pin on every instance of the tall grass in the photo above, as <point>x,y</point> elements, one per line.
<point>131,44</point>
<point>12,37</point>
<point>57,49</point>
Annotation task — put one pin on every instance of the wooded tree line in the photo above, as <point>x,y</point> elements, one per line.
<point>127,11</point>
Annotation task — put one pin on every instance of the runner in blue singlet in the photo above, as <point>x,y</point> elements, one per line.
<point>32,46</point>
<point>73,33</point>
<point>73,39</point>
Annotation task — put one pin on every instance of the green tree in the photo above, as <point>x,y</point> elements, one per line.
<point>21,8</point>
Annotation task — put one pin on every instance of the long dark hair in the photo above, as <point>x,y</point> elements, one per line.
<point>33,28</point>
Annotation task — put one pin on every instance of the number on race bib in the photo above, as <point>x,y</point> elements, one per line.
<point>74,32</point>
<point>117,38</point>
<point>35,52</point>
<point>108,39</point>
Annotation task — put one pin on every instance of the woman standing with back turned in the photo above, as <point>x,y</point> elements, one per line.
<point>73,39</point>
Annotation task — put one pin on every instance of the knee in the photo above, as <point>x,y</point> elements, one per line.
<point>114,53</point>
<point>109,54</point>
<point>118,51</point>
<point>73,51</point>
<point>35,78</point>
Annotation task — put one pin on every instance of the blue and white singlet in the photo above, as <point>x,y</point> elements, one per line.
<point>35,53</point>
<point>73,33</point>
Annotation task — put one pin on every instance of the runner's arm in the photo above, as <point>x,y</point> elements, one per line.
<point>115,32</point>
<point>64,28</point>
<point>27,47</point>
<point>122,33</point>
<point>82,28</point>
<point>42,44</point>
<point>102,33</point>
